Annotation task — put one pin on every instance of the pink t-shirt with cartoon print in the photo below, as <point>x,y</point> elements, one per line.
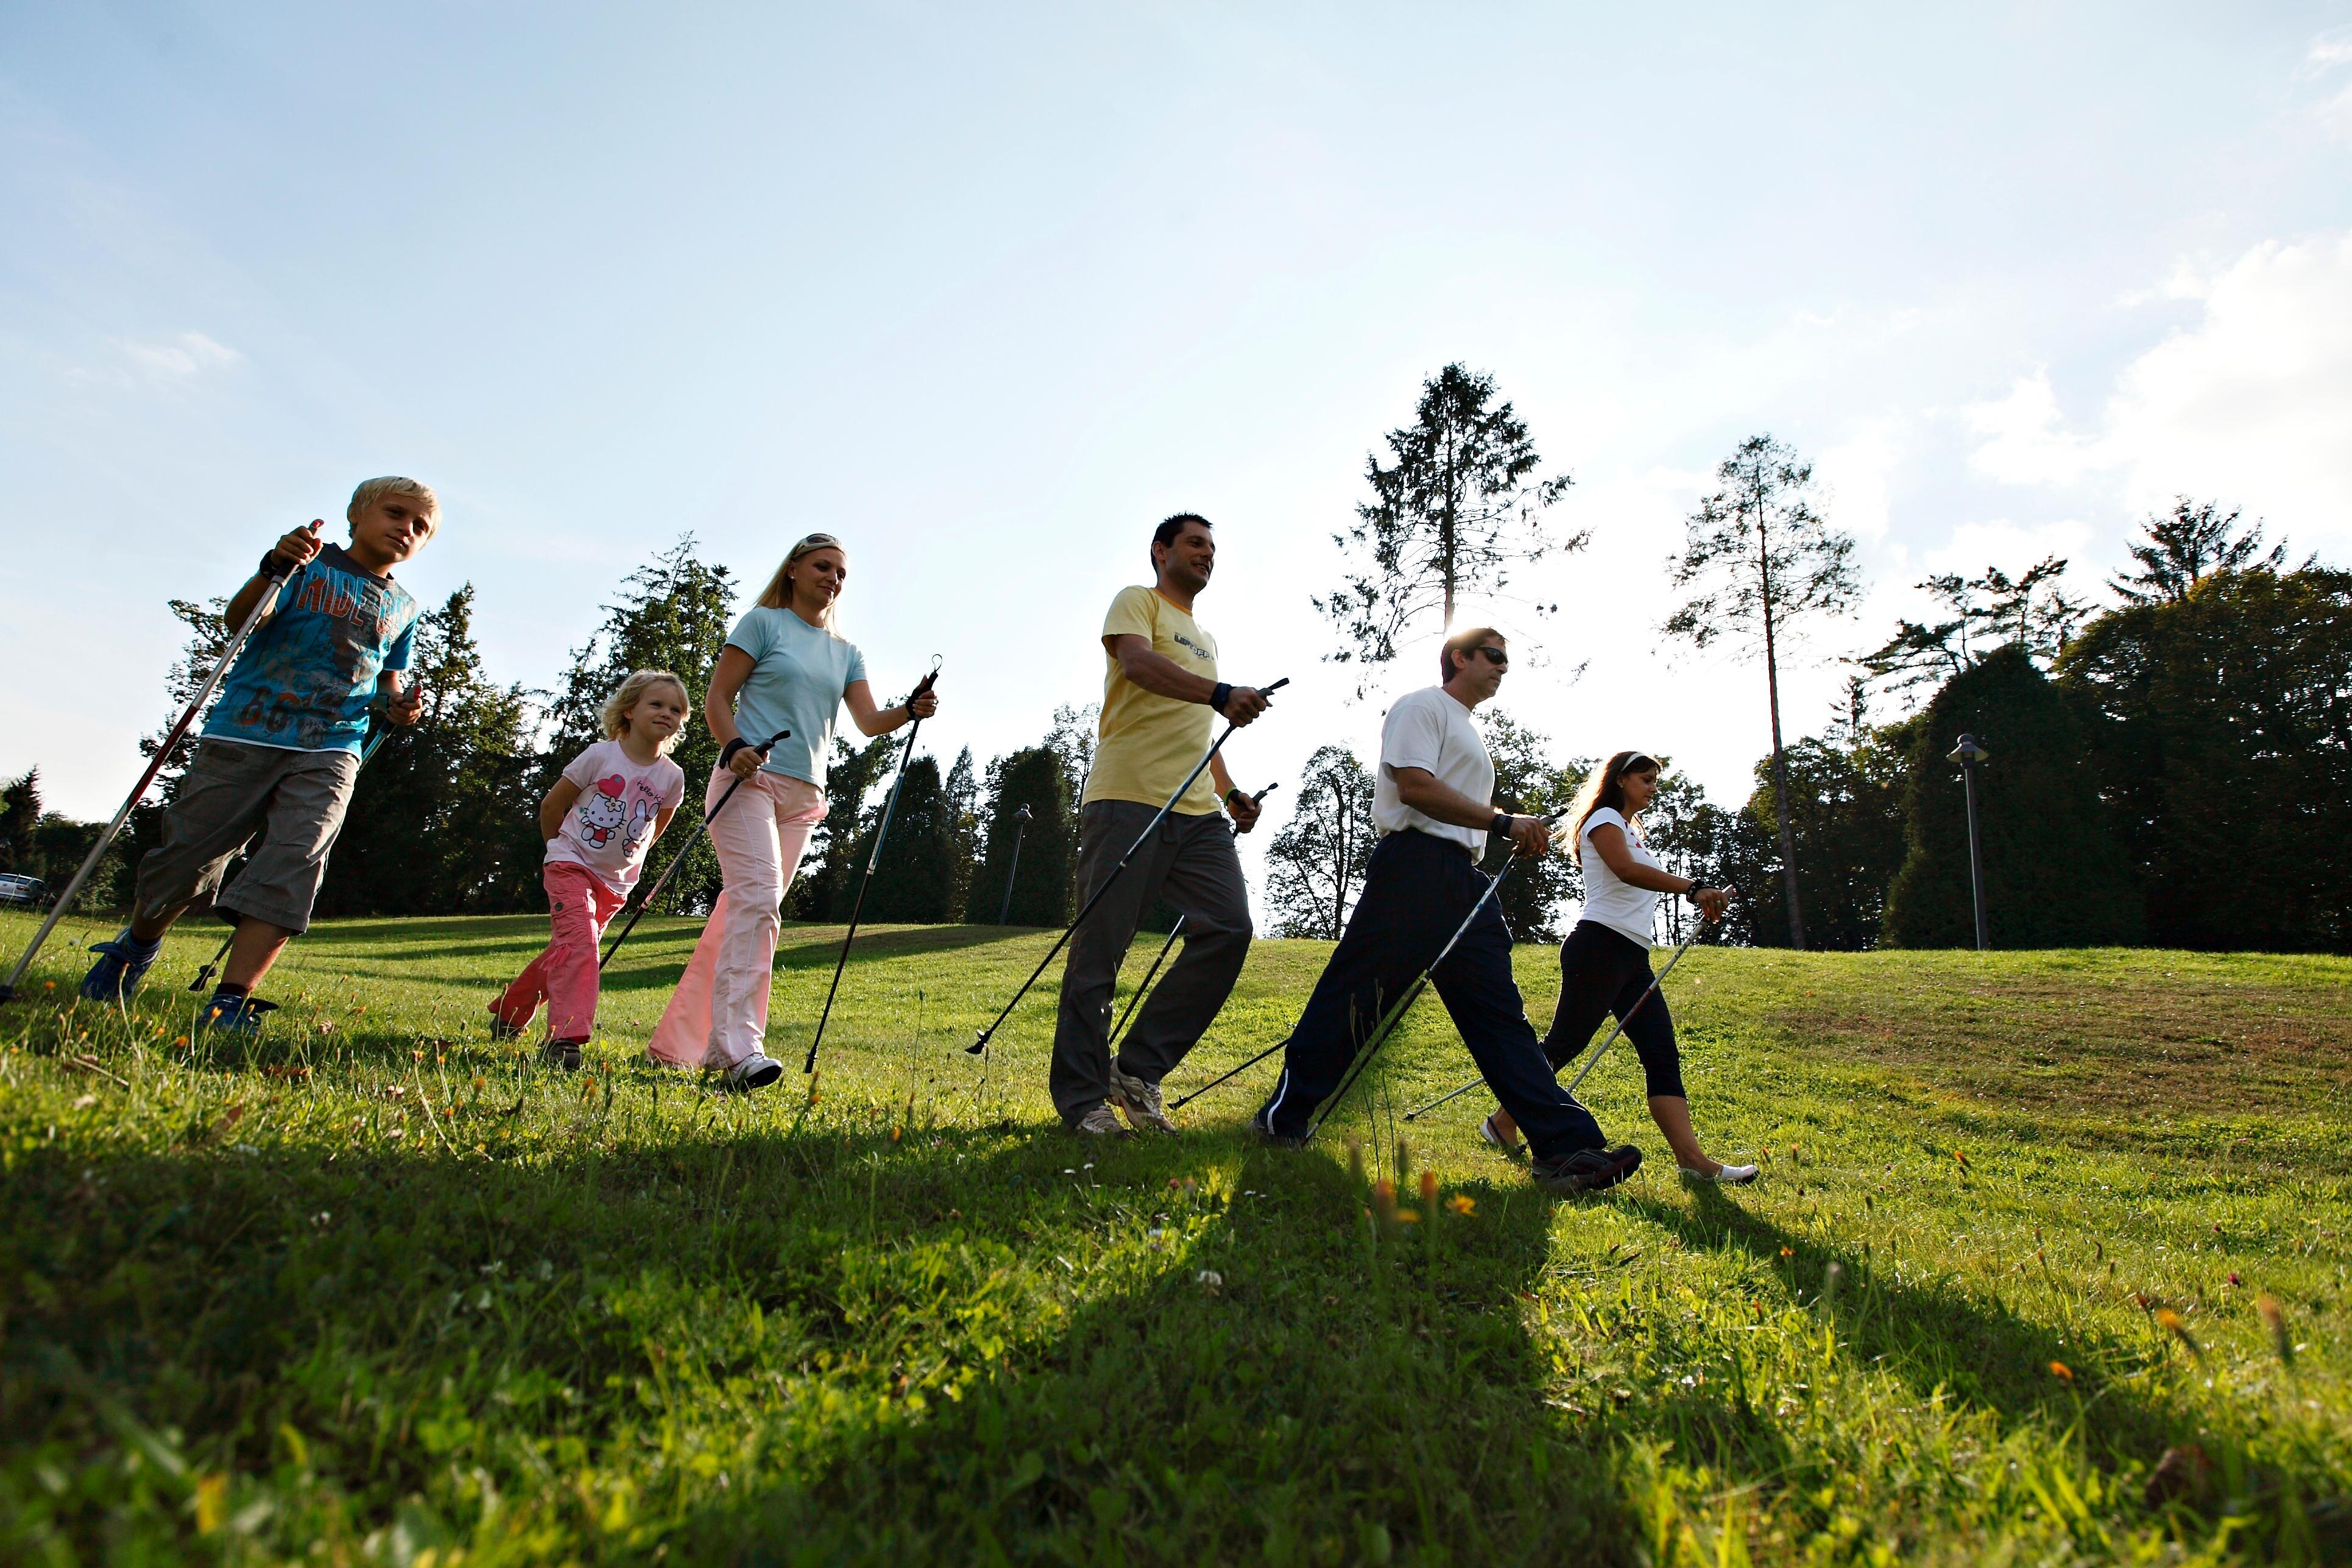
<point>611,826</point>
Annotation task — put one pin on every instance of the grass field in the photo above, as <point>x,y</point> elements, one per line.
<point>377,1289</point>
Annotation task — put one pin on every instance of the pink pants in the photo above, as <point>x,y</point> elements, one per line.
<point>578,907</point>
<point>718,1014</point>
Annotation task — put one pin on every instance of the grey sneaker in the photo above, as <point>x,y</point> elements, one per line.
<point>1587,1170</point>
<point>754,1071</point>
<point>1141,1100</point>
<point>1727,1175</point>
<point>1102,1121</point>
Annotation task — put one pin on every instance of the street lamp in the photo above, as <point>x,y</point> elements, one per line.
<point>1968,753</point>
<point>1021,820</point>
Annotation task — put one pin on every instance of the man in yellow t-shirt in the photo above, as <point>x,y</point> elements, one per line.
<point>1160,698</point>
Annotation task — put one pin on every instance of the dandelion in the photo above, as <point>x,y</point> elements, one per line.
<point>2062,1371</point>
<point>2275,1319</point>
<point>1463,1204</point>
<point>1384,1202</point>
<point>1408,1216</point>
<point>2170,1321</point>
<point>1429,1191</point>
<point>1787,1252</point>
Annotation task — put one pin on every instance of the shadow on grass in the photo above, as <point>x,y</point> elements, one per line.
<point>937,1343</point>
<point>1938,1336</point>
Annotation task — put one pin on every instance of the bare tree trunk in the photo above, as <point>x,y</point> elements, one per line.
<point>1780,801</point>
<point>1445,540</point>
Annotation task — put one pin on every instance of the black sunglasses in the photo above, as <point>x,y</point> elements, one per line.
<point>1496,656</point>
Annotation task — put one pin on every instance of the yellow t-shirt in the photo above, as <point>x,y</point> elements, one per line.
<point>1148,742</point>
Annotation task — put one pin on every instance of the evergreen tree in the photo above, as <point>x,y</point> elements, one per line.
<point>963,812</point>
<point>2221,723</point>
<point>444,818</point>
<point>827,874</point>
<point>1847,823</point>
<point>1071,739</point>
<point>2055,875</point>
<point>20,813</point>
<point>1455,513</point>
<point>673,613</point>
<point>914,882</point>
<point>2194,540</point>
<point>1528,782</point>
<point>1315,866</point>
<point>1763,559</point>
<point>1043,885</point>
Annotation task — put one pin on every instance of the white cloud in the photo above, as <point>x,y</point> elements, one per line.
<point>1855,473</point>
<point>165,361</point>
<point>2250,404</point>
<point>2012,546</point>
<point>2025,438</point>
<point>177,357</point>
<point>2329,52</point>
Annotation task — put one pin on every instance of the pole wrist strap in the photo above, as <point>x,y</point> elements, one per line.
<point>1218,698</point>
<point>727,753</point>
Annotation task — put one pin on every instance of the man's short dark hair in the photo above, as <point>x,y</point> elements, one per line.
<point>1167,531</point>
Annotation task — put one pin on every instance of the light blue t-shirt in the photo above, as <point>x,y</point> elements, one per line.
<point>798,675</point>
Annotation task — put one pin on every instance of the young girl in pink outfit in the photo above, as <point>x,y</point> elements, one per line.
<point>600,820</point>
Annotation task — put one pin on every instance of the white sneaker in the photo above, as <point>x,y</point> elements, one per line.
<point>1102,1121</point>
<point>1487,1131</point>
<point>1141,1100</point>
<point>1726,1175</point>
<point>754,1071</point>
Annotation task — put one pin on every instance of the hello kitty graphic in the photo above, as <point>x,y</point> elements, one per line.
<point>602,815</point>
<point>641,818</point>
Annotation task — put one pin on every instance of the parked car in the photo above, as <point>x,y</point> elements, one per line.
<point>15,889</point>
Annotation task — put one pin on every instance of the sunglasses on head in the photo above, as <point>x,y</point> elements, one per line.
<point>816,541</point>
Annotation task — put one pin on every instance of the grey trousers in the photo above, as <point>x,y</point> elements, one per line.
<point>231,791</point>
<point>1190,861</point>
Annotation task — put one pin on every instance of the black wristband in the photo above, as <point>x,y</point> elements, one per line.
<point>727,753</point>
<point>271,566</point>
<point>1502,823</point>
<point>1224,693</point>
<point>1233,795</point>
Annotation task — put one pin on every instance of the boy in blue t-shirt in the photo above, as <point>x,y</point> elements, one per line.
<point>280,749</point>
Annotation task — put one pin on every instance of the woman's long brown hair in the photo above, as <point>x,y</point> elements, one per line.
<point>1604,789</point>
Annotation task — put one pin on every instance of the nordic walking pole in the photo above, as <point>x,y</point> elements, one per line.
<point>261,607</point>
<point>1395,1015</point>
<point>1611,1040</point>
<point>1149,975</point>
<point>205,971</point>
<point>763,748</point>
<point>979,1044</point>
<point>880,834</point>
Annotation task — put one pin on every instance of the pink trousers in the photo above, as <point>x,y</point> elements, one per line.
<point>578,906</point>
<point>718,1014</point>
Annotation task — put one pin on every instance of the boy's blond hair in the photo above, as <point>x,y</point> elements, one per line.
<point>373,490</point>
<point>615,714</point>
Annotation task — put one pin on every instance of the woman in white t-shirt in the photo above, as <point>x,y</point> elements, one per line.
<point>1605,965</point>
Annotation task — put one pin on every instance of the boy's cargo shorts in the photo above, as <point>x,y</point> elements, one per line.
<point>295,799</point>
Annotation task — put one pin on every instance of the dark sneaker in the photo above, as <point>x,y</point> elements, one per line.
<point>757,1071</point>
<point>121,963</point>
<point>502,1030</point>
<point>564,1054</point>
<point>1587,1170</point>
<point>234,1015</point>
<point>1263,1132</point>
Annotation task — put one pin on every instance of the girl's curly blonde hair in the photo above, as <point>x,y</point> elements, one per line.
<point>615,714</point>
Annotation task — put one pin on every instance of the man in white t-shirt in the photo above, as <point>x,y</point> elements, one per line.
<point>1433,804</point>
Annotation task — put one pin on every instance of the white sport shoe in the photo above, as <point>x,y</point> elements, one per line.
<point>1141,1100</point>
<point>754,1071</point>
<point>1102,1121</point>
<point>1727,1175</point>
<point>1487,1131</point>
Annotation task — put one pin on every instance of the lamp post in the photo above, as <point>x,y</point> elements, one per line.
<point>1968,753</point>
<point>1021,819</point>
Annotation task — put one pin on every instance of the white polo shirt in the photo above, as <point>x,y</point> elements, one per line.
<point>1431,729</point>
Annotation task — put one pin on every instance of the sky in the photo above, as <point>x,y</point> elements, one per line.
<point>987,291</point>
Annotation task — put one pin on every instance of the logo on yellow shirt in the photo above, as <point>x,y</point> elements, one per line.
<point>1181,641</point>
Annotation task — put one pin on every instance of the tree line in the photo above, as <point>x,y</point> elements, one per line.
<point>2173,767</point>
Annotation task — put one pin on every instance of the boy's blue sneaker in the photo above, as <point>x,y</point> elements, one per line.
<point>121,963</point>
<point>234,1013</point>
